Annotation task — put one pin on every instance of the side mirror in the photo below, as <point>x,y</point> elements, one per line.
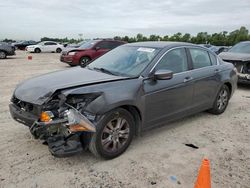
<point>97,48</point>
<point>163,74</point>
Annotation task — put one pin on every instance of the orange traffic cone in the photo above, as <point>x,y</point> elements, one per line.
<point>204,179</point>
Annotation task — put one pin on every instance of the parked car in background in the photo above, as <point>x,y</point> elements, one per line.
<point>239,55</point>
<point>22,45</point>
<point>219,49</point>
<point>130,89</point>
<point>77,45</point>
<point>45,46</point>
<point>88,51</point>
<point>6,50</point>
<point>215,49</point>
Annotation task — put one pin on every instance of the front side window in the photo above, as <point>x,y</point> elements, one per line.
<point>114,44</point>
<point>175,60</point>
<point>104,45</point>
<point>49,43</point>
<point>200,58</point>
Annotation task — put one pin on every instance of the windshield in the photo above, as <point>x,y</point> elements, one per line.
<point>40,43</point>
<point>88,44</point>
<point>125,60</point>
<point>240,48</point>
<point>80,43</point>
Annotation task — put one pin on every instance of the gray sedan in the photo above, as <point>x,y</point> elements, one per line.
<point>128,90</point>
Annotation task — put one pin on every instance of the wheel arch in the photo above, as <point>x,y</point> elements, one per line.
<point>230,87</point>
<point>2,50</point>
<point>135,112</point>
<point>37,48</point>
<point>85,55</point>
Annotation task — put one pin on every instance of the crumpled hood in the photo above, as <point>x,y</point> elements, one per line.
<point>37,90</point>
<point>234,56</point>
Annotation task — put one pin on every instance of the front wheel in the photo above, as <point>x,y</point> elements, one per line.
<point>37,50</point>
<point>113,135</point>
<point>58,50</point>
<point>221,101</point>
<point>84,61</point>
<point>3,55</point>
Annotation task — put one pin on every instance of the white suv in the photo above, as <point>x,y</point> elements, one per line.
<point>45,46</point>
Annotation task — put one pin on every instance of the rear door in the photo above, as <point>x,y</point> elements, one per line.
<point>205,75</point>
<point>169,99</point>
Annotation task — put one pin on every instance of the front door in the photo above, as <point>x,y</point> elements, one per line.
<point>102,48</point>
<point>167,99</point>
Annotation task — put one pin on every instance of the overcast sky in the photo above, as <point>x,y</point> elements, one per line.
<point>31,19</point>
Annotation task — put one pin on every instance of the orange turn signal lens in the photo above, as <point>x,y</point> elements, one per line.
<point>45,117</point>
<point>77,128</point>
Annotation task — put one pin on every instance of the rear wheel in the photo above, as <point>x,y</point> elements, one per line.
<point>84,61</point>
<point>58,50</point>
<point>3,55</point>
<point>37,50</point>
<point>221,101</point>
<point>113,135</point>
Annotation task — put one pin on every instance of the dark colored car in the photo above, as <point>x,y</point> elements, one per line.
<point>6,50</point>
<point>128,90</point>
<point>88,51</point>
<point>215,49</point>
<point>219,49</point>
<point>22,45</point>
<point>239,56</point>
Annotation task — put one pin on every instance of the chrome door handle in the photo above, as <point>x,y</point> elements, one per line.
<point>217,70</point>
<point>187,79</point>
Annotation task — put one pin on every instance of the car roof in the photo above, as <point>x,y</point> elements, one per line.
<point>160,44</point>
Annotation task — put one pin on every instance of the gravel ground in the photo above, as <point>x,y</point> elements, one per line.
<point>158,158</point>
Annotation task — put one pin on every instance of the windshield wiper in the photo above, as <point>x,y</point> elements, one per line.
<point>104,70</point>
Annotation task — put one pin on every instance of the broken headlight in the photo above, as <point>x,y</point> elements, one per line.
<point>80,102</point>
<point>78,122</point>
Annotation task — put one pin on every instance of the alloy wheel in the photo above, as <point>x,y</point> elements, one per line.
<point>222,99</point>
<point>2,55</point>
<point>115,134</point>
<point>84,61</point>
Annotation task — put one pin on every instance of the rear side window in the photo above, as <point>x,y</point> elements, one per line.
<point>213,59</point>
<point>200,58</point>
<point>175,60</point>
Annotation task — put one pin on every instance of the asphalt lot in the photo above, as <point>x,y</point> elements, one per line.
<point>154,159</point>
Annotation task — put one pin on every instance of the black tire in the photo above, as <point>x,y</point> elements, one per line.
<point>37,50</point>
<point>58,50</point>
<point>112,143</point>
<point>3,55</point>
<point>221,101</point>
<point>84,61</point>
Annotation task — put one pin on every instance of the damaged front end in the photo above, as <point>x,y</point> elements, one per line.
<point>63,122</point>
<point>243,70</point>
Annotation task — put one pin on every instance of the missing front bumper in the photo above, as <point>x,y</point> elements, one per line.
<point>63,135</point>
<point>61,147</point>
